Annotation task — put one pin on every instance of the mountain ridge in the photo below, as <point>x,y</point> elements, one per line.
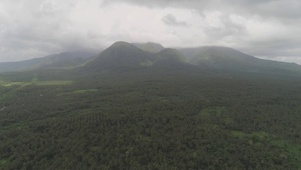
<point>58,61</point>
<point>122,55</point>
<point>119,54</point>
<point>149,47</point>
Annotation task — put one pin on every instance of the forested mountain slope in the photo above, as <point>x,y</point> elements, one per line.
<point>225,58</point>
<point>145,116</point>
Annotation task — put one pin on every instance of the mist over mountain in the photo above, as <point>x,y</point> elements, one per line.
<point>129,108</point>
<point>119,54</point>
<point>226,58</point>
<point>149,47</point>
<point>123,55</point>
<point>213,54</point>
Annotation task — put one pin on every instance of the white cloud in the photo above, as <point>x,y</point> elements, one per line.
<point>34,28</point>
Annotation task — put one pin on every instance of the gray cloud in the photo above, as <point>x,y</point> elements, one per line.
<point>37,28</point>
<point>269,8</point>
<point>172,21</point>
<point>269,28</point>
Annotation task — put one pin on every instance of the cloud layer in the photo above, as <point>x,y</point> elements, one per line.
<point>35,28</point>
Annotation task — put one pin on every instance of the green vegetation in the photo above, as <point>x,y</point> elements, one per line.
<point>131,109</point>
<point>81,91</point>
<point>241,135</point>
<point>3,162</point>
<point>35,82</point>
<point>293,149</point>
<point>217,111</point>
<point>143,119</point>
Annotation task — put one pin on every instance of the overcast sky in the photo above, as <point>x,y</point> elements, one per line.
<point>263,28</point>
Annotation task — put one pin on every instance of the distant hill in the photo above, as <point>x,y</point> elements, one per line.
<point>55,61</point>
<point>225,58</point>
<point>216,55</point>
<point>149,47</point>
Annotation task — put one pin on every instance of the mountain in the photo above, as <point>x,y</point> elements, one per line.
<point>197,108</point>
<point>55,61</point>
<point>120,55</point>
<point>149,47</point>
<point>224,58</point>
<point>216,55</point>
<point>123,55</point>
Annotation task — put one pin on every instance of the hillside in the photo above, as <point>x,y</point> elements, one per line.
<point>224,58</point>
<point>118,55</point>
<point>55,61</point>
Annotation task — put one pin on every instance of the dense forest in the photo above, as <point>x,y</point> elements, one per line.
<point>149,120</point>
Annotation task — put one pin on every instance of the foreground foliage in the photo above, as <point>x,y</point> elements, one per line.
<point>151,120</point>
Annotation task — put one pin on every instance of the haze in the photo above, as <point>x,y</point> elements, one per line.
<point>36,28</point>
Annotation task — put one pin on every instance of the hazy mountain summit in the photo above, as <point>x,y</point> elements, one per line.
<point>123,55</point>
<point>225,58</point>
<point>149,47</point>
<point>119,54</point>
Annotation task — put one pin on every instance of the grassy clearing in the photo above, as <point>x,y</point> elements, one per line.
<point>84,91</point>
<point>217,111</point>
<point>37,83</point>
<point>3,162</point>
<point>80,91</point>
<point>15,126</point>
<point>19,126</point>
<point>9,84</point>
<point>258,134</point>
<point>293,149</point>
<point>13,86</point>
<point>52,83</point>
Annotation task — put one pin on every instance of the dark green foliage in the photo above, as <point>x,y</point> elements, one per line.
<point>185,119</point>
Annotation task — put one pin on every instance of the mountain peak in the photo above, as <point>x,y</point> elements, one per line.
<point>154,44</point>
<point>170,51</point>
<point>121,44</point>
<point>119,55</point>
<point>149,47</point>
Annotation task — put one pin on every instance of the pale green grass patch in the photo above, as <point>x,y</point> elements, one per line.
<point>37,83</point>
<point>80,91</point>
